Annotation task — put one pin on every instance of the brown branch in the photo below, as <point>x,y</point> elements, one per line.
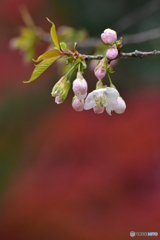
<point>127,39</point>
<point>122,55</point>
<point>138,54</point>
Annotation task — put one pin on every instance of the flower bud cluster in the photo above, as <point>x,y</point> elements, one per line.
<point>109,37</point>
<point>101,99</point>
<point>80,88</point>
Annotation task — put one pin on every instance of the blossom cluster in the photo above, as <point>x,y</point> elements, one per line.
<point>103,98</point>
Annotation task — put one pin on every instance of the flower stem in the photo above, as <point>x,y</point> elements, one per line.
<point>110,81</point>
<point>72,69</point>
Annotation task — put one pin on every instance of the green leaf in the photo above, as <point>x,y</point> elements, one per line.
<point>48,55</point>
<point>41,67</point>
<point>63,46</point>
<point>84,65</point>
<point>54,34</point>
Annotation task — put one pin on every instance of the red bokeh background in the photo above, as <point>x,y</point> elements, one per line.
<point>74,175</point>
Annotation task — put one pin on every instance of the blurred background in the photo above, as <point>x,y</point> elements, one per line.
<point>66,175</point>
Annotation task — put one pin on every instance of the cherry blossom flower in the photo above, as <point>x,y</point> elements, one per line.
<point>108,98</point>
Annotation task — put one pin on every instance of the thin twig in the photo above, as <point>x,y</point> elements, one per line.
<point>122,55</point>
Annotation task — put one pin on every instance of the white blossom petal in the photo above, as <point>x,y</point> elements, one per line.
<point>98,109</point>
<point>112,93</point>
<point>92,97</point>
<point>109,109</point>
<point>90,101</point>
<point>121,106</point>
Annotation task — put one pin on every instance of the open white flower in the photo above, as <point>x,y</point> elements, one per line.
<point>108,98</point>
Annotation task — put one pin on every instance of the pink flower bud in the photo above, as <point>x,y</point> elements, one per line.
<point>100,73</point>
<point>77,104</point>
<point>80,88</point>
<point>112,52</point>
<point>109,36</point>
<point>98,109</point>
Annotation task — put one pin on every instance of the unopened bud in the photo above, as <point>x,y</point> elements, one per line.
<point>109,36</point>
<point>80,86</point>
<point>100,73</point>
<point>77,104</point>
<point>59,86</point>
<point>112,53</point>
<point>100,70</point>
<point>62,91</point>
